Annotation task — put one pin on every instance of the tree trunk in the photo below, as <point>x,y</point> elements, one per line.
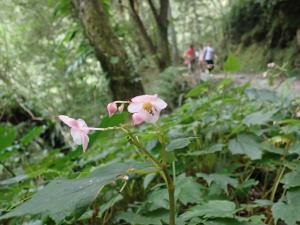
<point>143,32</point>
<point>173,34</point>
<point>124,82</point>
<point>161,19</point>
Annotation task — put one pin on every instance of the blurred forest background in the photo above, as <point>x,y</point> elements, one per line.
<point>72,57</point>
<point>49,66</point>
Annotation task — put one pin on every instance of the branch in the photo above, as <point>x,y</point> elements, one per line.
<point>33,117</point>
<point>142,28</point>
<point>154,11</point>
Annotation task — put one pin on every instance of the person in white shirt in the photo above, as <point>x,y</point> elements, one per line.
<point>209,56</point>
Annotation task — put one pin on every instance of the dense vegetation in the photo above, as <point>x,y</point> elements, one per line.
<point>266,31</point>
<point>221,153</point>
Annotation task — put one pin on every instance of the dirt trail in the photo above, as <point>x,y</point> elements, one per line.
<point>257,80</point>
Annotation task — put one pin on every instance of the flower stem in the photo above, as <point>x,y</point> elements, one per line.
<point>163,172</point>
<point>171,192</point>
<point>277,183</point>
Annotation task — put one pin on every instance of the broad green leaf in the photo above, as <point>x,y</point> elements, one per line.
<point>258,118</point>
<point>246,144</point>
<point>196,91</point>
<point>158,199</point>
<point>287,209</point>
<point>115,120</point>
<point>148,179</point>
<point>133,218</point>
<point>231,222</point>
<point>105,206</point>
<point>212,209</point>
<point>13,180</point>
<point>292,179</point>
<point>178,144</point>
<point>33,133</point>
<point>63,198</point>
<point>209,150</point>
<point>224,83</point>
<point>262,95</point>
<point>188,190</point>
<point>294,148</point>
<point>221,180</point>
<point>286,90</point>
<point>7,136</point>
<point>232,64</point>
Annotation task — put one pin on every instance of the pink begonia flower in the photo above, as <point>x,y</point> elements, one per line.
<point>79,130</point>
<point>146,108</point>
<point>112,108</point>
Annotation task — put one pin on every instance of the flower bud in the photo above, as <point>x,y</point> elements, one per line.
<point>111,108</point>
<point>121,107</point>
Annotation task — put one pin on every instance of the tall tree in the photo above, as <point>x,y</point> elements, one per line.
<point>161,19</point>
<point>160,50</point>
<point>124,82</point>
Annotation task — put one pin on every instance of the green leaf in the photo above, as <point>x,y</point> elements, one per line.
<point>224,83</point>
<point>245,144</point>
<point>206,151</point>
<point>33,133</point>
<point>292,179</point>
<point>294,148</point>
<point>212,209</point>
<point>258,118</point>
<point>63,198</point>
<point>221,180</point>
<point>7,136</point>
<point>188,190</point>
<point>148,179</point>
<point>287,209</point>
<point>231,222</point>
<point>178,144</point>
<point>133,218</point>
<point>115,120</point>
<point>198,90</point>
<point>232,64</point>
<point>158,199</point>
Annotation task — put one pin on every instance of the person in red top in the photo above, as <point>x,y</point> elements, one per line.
<point>189,58</point>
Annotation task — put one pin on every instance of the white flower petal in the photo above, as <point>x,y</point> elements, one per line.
<point>135,107</point>
<point>160,104</point>
<point>151,117</point>
<point>68,120</point>
<point>85,141</point>
<point>76,135</point>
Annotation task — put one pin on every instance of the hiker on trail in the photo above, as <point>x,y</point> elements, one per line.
<point>189,58</point>
<point>209,56</point>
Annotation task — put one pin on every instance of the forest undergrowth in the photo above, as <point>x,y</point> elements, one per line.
<point>232,152</point>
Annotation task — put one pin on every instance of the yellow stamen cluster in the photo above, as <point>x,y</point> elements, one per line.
<point>147,106</point>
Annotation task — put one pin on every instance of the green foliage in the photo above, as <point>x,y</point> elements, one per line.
<point>33,133</point>
<point>232,150</point>
<point>61,198</point>
<point>232,64</point>
<point>7,136</point>
<point>212,209</point>
<point>221,180</point>
<point>246,144</point>
<point>287,208</point>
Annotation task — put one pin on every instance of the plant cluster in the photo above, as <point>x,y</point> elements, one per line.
<point>228,155</point>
